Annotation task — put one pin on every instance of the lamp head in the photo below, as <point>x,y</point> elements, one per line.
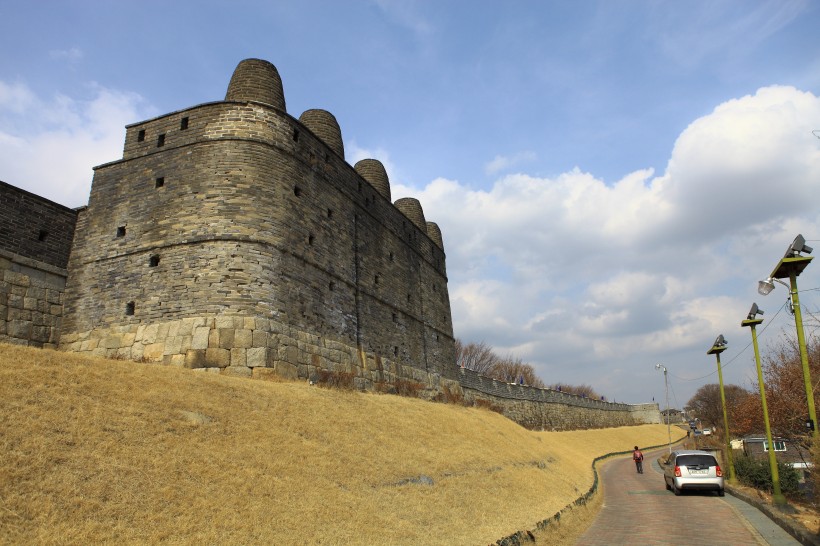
<point>720,341</point>
<point>754,311</point>
<point>765,287</point>
<point>798,246</point>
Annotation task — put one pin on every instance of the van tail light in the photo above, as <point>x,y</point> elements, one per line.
<point>677,472</point>
<point>719,471</point>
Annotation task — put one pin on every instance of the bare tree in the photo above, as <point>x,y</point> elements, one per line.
<point>580,390</point>
<point>514,370</point>
<point>706,404</point>
<point>478,357</point>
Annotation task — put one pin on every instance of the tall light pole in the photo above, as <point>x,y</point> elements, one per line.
<point>752,321</point>
<point>666,385</point>
<point>718,347</point>
<point>791,265</point>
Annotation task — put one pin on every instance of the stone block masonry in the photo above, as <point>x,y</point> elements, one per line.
<point>35,241</point>
<point>247,227</point>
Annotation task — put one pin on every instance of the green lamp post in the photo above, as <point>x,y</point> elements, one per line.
<point>791,265</point>
<point>718,347</point>
<point>752,321</point>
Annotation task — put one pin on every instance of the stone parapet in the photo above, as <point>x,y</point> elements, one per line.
<point>548,409</point>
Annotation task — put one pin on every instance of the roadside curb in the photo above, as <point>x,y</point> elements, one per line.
<point>521,537</point>
<point>800,533</point>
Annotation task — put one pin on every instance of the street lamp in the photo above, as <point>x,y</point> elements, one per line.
<point>752,321</point>
<point>791,265</point>
<point>718,347</point>
<point>666,385</point>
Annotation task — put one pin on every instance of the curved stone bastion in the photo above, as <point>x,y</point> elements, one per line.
<point>234,237</point>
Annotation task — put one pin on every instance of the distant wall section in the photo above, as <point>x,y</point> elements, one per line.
<point>547,409</point>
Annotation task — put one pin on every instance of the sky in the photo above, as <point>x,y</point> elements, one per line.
<point>611,178</point>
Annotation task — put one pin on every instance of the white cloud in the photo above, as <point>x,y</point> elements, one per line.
<point>572,268</point>
<point>50,146</point>
<point>72,55</point>
<point>503,163</point>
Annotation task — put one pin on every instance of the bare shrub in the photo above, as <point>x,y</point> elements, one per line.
<point>332,379</point>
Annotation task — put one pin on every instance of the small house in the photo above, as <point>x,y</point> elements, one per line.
<point>786,450</point>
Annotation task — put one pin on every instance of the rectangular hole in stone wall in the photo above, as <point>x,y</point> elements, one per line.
<point>160,182</point>
<point>395,351</point>
<point>42,235</point>
<point>330,213</point>
<point>395,317</point>
<point>153,261</point>
<point>121,231</point>
<point>161,140</point>
<point>311,238</point>
<point>297,191</point>
<point>183,123</point>
<point>129,308</point>
<point>141,135</point>
<point>296,135</point>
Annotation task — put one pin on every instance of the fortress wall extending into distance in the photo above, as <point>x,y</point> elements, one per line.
<point>547,409</point>
<point>234,238</point>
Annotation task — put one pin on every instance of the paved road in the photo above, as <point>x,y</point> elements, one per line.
<point>637,509</point>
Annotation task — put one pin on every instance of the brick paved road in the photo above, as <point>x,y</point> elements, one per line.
<point>638,509</point>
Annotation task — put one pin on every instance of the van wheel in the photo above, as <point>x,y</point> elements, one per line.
<point>666,483</point>
<point>675,490</point>
<point>721,492</point>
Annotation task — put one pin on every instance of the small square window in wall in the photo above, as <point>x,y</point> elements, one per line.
<point>161,140</point>
<point>330,213</point>
<point>42,235</point>
<point>129,308</point>
<point>183,123</point>
<point>153,261</point>
<point>311,238</point>
<point>121,231</point>
<point>141,135</point>
<point>296,135</point>
<point>159,182</point>
<point>297,191</point>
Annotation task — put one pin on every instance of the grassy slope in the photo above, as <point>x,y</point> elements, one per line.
<point>94,450</point>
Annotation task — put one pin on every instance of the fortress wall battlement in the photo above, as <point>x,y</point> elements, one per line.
<point>549,409</point>
<point>233,210</point>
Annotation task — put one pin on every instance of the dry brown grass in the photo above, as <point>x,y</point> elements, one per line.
<point>101,451</point>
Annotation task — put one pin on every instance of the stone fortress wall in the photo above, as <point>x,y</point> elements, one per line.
<point>234,238</point>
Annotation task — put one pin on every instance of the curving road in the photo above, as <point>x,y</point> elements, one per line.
<point>637,509</point>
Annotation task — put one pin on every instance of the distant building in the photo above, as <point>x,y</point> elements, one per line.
<point>786,450</point>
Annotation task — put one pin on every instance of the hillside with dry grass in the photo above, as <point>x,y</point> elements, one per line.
<point>95,450</point>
